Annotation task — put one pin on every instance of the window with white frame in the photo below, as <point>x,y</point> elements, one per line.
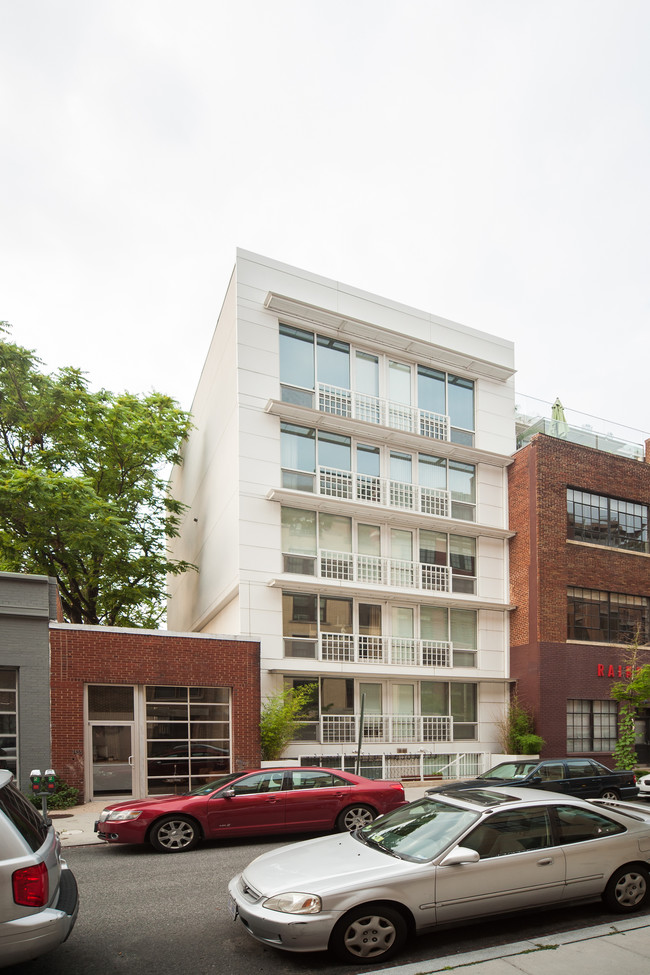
<point>335,465</point>
<point>8,720</point>
<point>309,361</point>
<point>338,629</point>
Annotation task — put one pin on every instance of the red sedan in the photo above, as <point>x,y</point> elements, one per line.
<point>276,800</point>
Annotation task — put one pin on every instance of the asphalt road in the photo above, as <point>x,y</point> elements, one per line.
<point>146,913</point>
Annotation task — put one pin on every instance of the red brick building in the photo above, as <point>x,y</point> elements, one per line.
<point>580,579</point>
<point>137,712</point>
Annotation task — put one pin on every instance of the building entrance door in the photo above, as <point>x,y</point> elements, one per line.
<point>112,759</point>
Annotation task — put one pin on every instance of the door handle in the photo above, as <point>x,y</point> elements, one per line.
<point>545,862</point>
<point>130,760</point>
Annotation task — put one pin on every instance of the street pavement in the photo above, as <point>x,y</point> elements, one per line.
<point>622,946</point>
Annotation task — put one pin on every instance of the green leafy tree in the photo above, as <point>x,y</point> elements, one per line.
<point>280,718</point>
<point>631,694</point>
<point>82,492</point>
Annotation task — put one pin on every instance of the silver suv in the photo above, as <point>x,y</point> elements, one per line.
<point>38,893</point>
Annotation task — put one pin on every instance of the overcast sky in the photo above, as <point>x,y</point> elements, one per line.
<point>484,160</point>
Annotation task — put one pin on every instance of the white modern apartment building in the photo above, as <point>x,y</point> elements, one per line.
<point>347,507</point>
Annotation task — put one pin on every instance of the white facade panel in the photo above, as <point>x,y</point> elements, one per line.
<point>368,604</point>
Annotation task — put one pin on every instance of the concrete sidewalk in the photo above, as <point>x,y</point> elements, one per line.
<point>622,946</point>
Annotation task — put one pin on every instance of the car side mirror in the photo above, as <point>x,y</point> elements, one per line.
<point>536,779</point>
<point>228,793</point>
<point>460,854</point>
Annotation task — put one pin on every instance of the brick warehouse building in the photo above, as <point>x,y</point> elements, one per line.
<point>580,581</point>
<point>137,712</point>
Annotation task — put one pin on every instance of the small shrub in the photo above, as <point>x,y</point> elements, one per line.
<point>63,797</point>
<point>529,744</point>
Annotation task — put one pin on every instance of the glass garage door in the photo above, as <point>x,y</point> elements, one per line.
<point>187,737</point>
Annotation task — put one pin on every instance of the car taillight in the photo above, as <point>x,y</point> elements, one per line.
<point>31,886</point>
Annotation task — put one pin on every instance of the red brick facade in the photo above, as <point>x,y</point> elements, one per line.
<point>83,655</point>
<point>543,563</point>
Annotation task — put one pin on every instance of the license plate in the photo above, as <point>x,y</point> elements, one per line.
<point>232,908</point>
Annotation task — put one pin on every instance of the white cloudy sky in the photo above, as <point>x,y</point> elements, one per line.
<point>485,160</point>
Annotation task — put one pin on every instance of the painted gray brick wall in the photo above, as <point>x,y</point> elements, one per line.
<point>27,603</point>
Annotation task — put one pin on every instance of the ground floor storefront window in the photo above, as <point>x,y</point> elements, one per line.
<point>156,740</point>
<point>8,725</point>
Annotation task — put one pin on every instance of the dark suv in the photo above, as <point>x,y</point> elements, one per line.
<point>38,893</point>
<point>582,777</point>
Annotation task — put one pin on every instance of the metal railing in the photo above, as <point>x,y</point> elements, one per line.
<point>379,571</point>
<point>399,728</point>
<point>400,651</point>
<point>351,486</point>
<point>371,409</point>
<point>424,765</point>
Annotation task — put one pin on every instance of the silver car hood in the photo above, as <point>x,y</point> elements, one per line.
<point>323,865</point>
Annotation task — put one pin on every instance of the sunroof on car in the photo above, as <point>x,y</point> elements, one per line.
<point>481,797</point>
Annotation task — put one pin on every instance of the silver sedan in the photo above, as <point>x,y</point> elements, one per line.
<point>448,857</point>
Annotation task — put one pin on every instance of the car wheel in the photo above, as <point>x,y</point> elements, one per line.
<point>628,889</point>
<point>610,794</point>
<point>174,834</point>
<point>368,933</point>
<point>353,817</point>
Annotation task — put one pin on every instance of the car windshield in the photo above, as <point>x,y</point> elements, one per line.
<point>509,770</point>
<point>204,790</point>
<point>419,831</point>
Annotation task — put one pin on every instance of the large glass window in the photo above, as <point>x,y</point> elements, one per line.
<point>333,362</point>
<point>437,392</point>
<point>462,558</point>
<point>299,540</point>
<point>463,702</point>
<point>462,485</point>
<point>8,725</point>
<point>592,726</point>
<point>609,521</point>
<point>298,453</point>
<point>296,365</point>
<point>458,626</point>
<point>606,617</point>
<point>188,737</point>
<point>431,390</point>
<point>300,624</point>
<point>456,699</point>
<point>334,450</point>
<point>460,404</point>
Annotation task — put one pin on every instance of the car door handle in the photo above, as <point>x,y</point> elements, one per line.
<point>274,799</point>
<point>545,862</point>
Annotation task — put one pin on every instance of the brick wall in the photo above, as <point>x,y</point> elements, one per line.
<point>101,655</point>
<point>543,563</point>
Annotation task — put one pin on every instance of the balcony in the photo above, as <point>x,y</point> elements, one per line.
<point>368,489</point>
<point>371,409</point>
<point>375,570</point>
<point>362,649</point>
<point>399,651</point>
<point>397,728</point>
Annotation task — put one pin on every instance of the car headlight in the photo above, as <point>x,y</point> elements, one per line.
<point>120,814</point>
<point>294,902</point>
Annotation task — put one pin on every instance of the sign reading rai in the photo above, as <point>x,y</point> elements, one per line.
<point>614,670</point>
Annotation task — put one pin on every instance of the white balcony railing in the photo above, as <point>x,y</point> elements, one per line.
<point>372,409</point>
<point>399,651</point>
<point>376,570</point>
<point>351,486</point>
<point>398,728</point>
